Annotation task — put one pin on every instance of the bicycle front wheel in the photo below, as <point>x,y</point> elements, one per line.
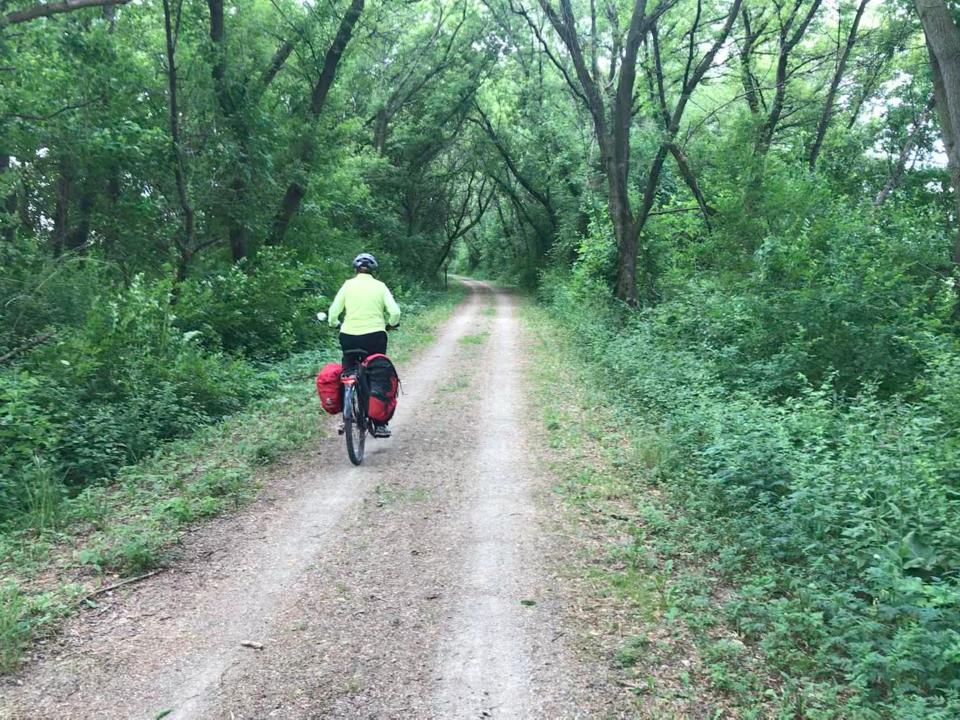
<point>355,425</point>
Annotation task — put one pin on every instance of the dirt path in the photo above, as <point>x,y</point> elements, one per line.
<point>416,586</point>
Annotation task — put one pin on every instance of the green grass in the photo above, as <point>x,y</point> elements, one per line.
<point>133,524</point>
<point>632,651</point>
<point>390,495</point>
<point>476,339</point>
<point>455,385</point>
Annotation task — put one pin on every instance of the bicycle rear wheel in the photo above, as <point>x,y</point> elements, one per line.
<point>355,424</point>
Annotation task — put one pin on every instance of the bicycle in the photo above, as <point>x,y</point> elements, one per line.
<point>356,424</point>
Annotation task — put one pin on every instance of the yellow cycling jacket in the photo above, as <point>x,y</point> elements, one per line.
<point>366,300</point>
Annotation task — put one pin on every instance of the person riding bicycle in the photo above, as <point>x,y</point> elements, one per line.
<point>370,311</point>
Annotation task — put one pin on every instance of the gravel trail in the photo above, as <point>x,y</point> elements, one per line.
<point>416,586</point>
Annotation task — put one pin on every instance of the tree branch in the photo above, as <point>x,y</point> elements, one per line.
<point>31,343</point>
<point>49,116</point>
<point>905,152</point>
<point>55,8</point>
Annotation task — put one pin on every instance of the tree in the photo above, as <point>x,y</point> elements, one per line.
<point>827,115</point>
<point>791,29</point>
<point>186,241</point>
<point>943,45</point>
<point>906,151</point>
<point>305,152</point>
<point>416,59</point>
<point>610,99</point>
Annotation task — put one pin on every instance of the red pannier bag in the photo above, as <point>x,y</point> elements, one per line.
<point>329,388</point>
<point>383,385</point>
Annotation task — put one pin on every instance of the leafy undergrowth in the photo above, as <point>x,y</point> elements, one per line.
<point>809,545</point>
<point>639,572</point>
<point>132,525</point>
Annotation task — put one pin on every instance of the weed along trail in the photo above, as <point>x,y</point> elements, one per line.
<point>415,586</point>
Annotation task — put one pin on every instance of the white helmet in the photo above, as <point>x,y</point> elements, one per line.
<point>365,260</point>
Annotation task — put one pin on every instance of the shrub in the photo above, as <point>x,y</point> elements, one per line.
<point>105,393</point>
<point>836,516</point>
<point>265,310</point>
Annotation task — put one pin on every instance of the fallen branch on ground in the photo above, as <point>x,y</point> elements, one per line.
<point>128,581</point>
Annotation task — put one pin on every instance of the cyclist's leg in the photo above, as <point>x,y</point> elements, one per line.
<point>350,342</point>
<point>376,343</point>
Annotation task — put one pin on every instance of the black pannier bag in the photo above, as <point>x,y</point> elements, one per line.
<point>382,385</point>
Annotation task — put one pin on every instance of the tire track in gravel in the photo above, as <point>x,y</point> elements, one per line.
<point>503,654</point>
<point>484,662</point>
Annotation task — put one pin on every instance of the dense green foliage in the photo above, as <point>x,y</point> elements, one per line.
<point>837,519</point>
<point>134,370</point>
<point>144,283</point>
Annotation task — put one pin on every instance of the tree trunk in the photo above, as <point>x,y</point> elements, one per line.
<point>627,244</point>
<point>78,236</point>
<point>751,88</point>
<point>219,70</point>
<point>787,43</point>
<point>296,190</point>
<point>233,203</point>
<point>61,215</point>
<point>943,44</point>
<point>447,246</point>
<point>618,158</point>
<point>187,242</point>
<point>381,124</point>
<point>653,182</point>
<point>686,172</point>
<point>289,206</point>
<point>612,129</point>
<point>827,113</point>
<point>692,76</point>
<point>237,231</point>
<point>9,225</point>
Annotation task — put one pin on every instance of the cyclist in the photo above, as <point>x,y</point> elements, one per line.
<point>370,311</point>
